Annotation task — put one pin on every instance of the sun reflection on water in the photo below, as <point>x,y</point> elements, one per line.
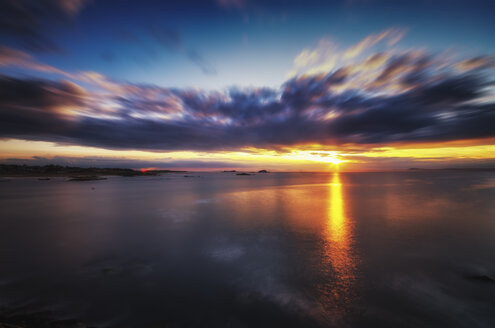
<point>337,227</point>
<point>339,256</point>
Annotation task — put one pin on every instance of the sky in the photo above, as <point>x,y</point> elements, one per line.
<point>246,84</point>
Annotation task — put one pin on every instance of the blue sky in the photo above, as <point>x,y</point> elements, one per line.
<point>248,43</point>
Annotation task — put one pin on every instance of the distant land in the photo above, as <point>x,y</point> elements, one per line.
<point>93,173</point>
<point>11,170</point>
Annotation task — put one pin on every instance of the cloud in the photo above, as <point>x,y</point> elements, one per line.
<point>479,62</point>
<point>16,58</point>
<point>70,7</point>
<point>392,35</point>
<point>383,97</point>
<point>327,55</point>
<point>38,107</point>
<point>24,21</point>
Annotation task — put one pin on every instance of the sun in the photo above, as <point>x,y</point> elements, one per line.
<point>331,158</point>
<point>322,156</point>
<point>334,160</point>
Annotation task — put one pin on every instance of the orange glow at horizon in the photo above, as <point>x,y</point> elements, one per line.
<point>299,157</point>
<point>146,169</point>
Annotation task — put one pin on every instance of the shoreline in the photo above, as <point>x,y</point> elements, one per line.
<point>52,171</point>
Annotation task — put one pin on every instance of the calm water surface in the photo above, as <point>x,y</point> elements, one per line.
<point>269,250</point>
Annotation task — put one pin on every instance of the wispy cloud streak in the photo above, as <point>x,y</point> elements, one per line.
<point>24,22</point>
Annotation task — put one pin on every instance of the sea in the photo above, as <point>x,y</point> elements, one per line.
<point>215,249</point>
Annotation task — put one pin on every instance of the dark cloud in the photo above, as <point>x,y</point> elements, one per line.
<point>434,106</point>
<point>31,108</point>
<point>394,67</point>
<point>25,22</point>
<point>37,95</point>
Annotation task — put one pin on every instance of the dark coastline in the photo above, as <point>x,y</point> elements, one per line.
<point>7,170</point>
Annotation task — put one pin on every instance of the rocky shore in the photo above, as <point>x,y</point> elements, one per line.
<point>75,173</point>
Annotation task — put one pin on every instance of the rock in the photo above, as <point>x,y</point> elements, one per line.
<point>243,174</point>
<point>231,171</point>
<point>262,171</point>
<point>87,178</point>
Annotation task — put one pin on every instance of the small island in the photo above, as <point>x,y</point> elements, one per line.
<point>87,178</point>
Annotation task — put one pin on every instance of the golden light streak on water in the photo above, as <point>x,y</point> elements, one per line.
<point>340,260</point>
<point>339,236</point>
